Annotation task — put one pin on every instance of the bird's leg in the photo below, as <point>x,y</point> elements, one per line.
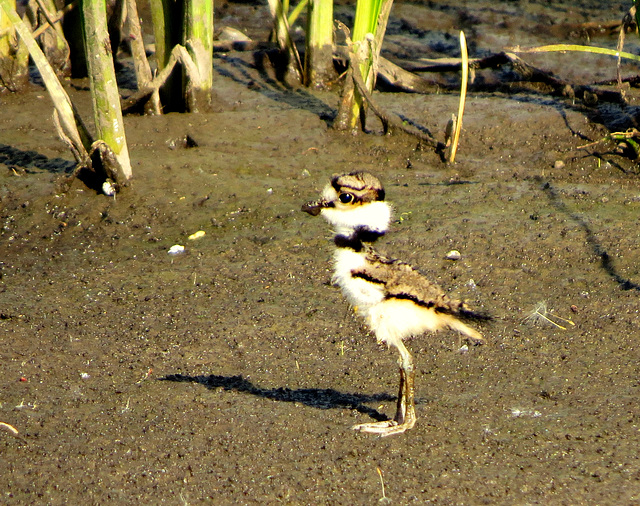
<point>405,413</point>
<point>402,405</point>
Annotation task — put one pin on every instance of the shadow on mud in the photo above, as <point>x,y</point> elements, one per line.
<point>606,261</point>
<point>19,160</point>
<point>238,70</point>
<point>313,397</point>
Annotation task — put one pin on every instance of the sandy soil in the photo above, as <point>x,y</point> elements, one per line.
<point>231,374</point>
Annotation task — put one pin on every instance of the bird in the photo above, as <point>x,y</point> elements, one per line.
<point>396,300</point>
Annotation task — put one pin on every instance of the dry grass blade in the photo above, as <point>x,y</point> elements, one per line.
<point>10,427</point>
<point>384,499</point>
<point>576,48</point>
<point>463,97</point>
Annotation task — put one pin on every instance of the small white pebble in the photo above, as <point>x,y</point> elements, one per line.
<point>559,164</point>
<point>463,349</point>
<point>84,375</point>
<point>454,254</point>
<point>270,191</point>
<point>176,249</point>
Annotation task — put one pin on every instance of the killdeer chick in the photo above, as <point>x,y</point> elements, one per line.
<point>395,299</point>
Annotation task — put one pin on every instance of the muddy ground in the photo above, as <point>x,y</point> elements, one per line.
<point>231,374</point>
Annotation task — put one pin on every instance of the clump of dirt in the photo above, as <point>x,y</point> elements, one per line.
<point>232,372</point>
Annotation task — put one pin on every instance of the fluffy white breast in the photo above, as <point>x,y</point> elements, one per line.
<point>395,319</point>
<point>358,292</point>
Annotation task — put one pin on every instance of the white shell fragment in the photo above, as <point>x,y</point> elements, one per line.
<point>108,189</point>
<point>197,235</point>
<point>233,35</point>
<point>532,413</point>
<point>176,249</point>
<point>454,254</point>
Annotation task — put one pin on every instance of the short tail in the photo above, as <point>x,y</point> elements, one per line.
<point>472,335</point>
<point>464,312</point>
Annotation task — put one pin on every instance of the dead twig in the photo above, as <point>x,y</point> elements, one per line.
<point>54,19</point>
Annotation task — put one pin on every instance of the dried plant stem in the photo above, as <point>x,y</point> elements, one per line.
<point>384,496</point>
<point>463,97</point>
<point>140,61</point>
<point>179,54</point>
<point>283,37</point>
<point>70,122</point>
<point>388,119</point>
<point>54,20</point>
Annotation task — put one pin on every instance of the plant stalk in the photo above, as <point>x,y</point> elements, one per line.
<point>319,68</point>
<point>368,33</point>
<point>14,57</point>
<point>198,38</point>
<point>104,89</point>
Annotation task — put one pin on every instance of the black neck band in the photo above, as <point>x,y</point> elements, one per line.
<point>355,240</point>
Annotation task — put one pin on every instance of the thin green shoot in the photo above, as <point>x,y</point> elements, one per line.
<point>630,137</point>
<point>295,13</point>
<point>367,13</point>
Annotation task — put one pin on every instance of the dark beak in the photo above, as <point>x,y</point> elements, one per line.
<point>314,208</point>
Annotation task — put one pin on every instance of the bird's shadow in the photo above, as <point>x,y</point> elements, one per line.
<point>320,398</point>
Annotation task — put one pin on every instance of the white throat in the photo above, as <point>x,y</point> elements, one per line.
<point>373,216</point>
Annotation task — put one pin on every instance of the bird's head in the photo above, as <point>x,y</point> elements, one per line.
<point>353,204</point>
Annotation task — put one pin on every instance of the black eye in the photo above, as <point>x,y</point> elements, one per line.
<point>346,198</point>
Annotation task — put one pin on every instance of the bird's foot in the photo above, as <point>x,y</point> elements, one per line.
<point>386,428</point>
<point>476,340</point>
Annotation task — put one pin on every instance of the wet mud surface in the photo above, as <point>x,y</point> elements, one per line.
<point>231,374</point>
